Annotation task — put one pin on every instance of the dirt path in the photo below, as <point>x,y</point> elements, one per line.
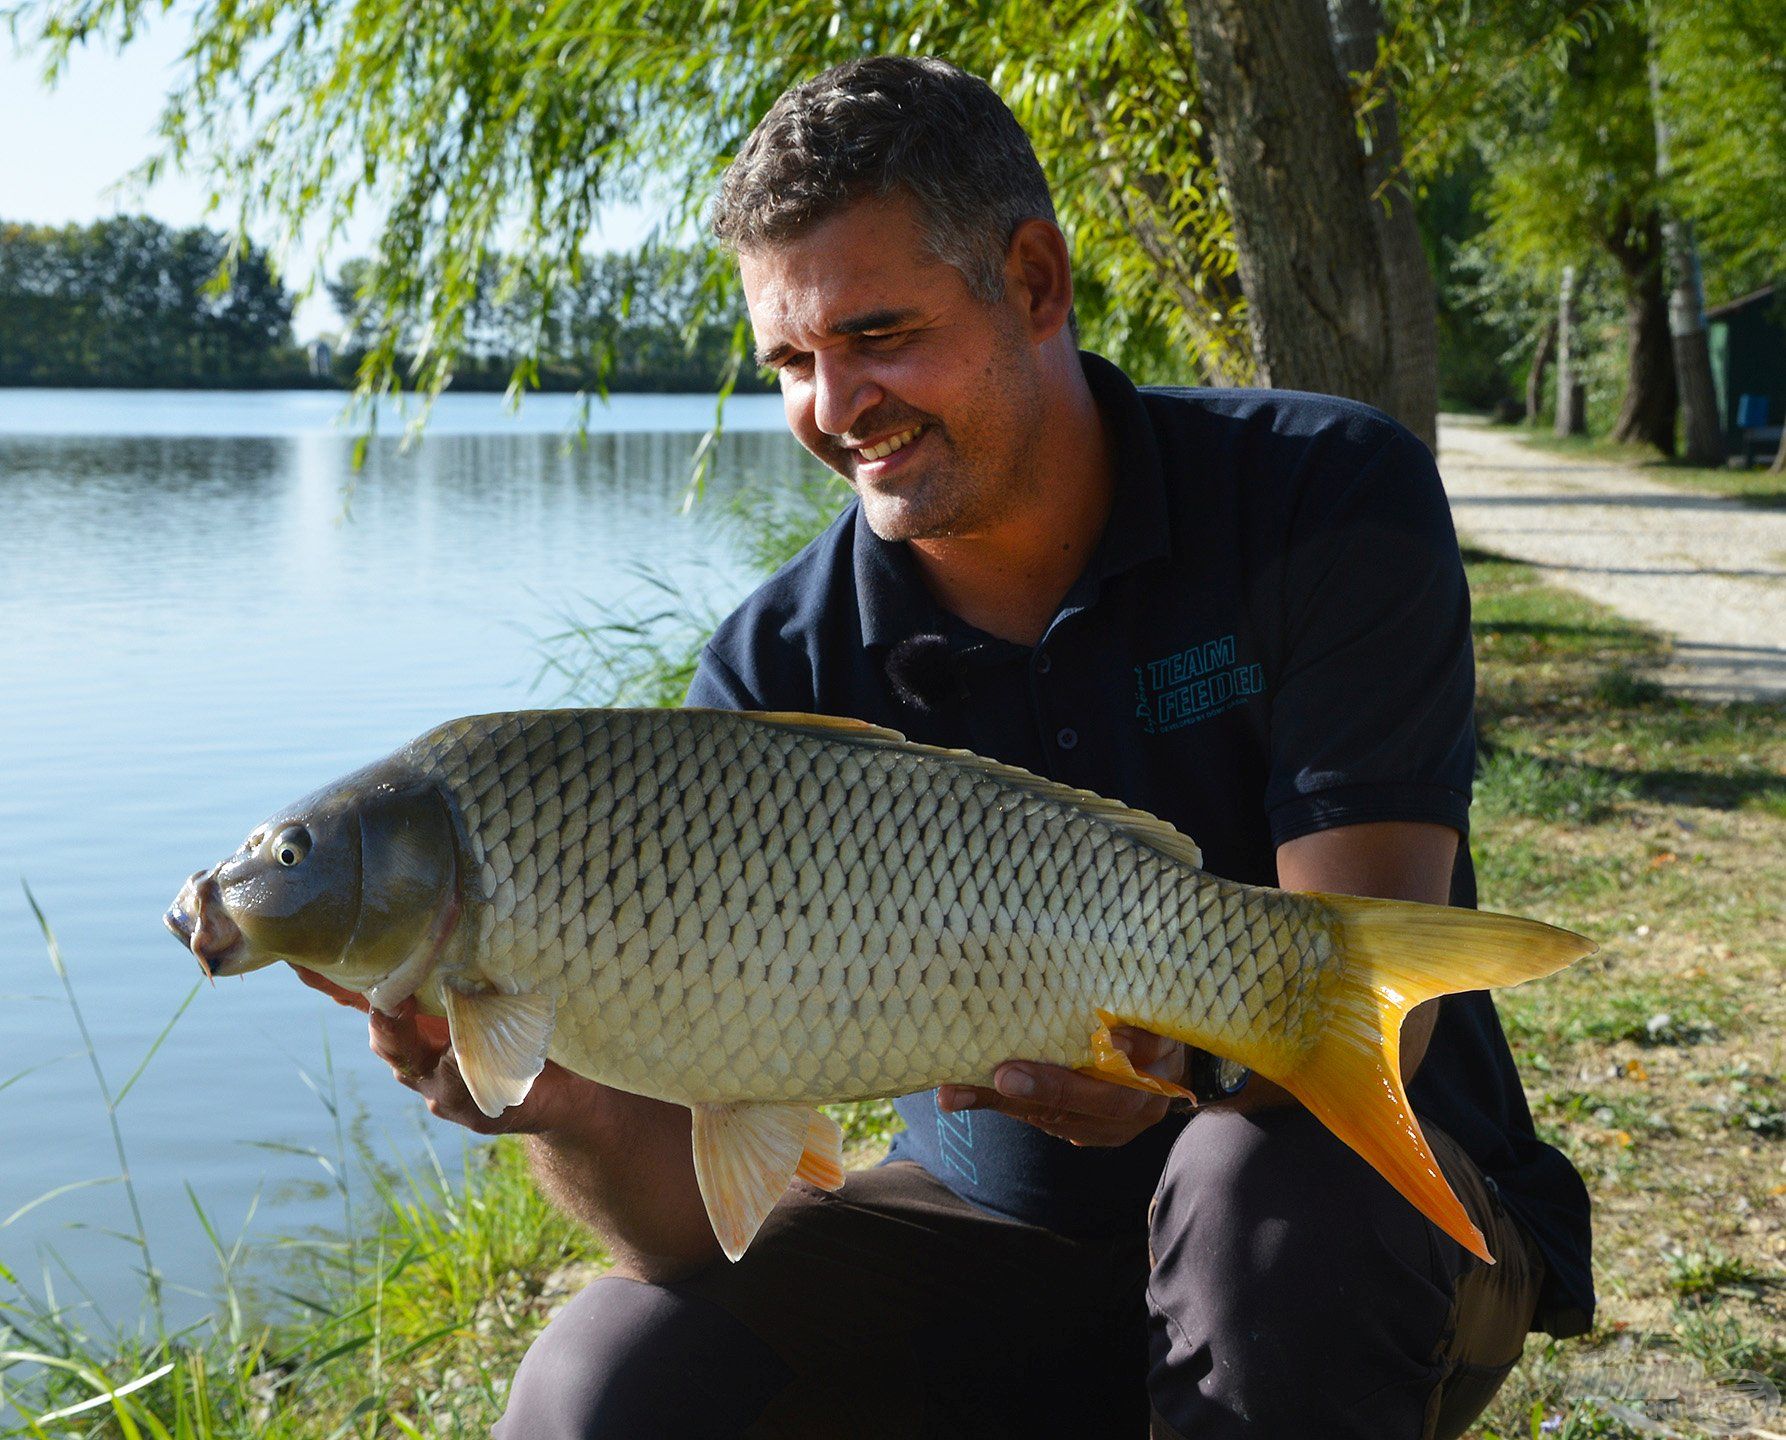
<point>1706,572</point>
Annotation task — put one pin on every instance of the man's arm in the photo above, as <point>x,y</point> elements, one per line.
<point>1395,860</point>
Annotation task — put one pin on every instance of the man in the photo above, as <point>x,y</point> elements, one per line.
<point>1243,611</point>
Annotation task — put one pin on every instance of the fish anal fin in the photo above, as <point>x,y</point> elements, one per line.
<point>745,1155</point>
<point>821,1162</point>
<point>500,1044</point>
<point>1110,1064</point>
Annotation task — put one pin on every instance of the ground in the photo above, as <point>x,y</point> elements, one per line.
<point>1704,569</point>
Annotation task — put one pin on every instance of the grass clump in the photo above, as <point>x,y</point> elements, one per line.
<point>413,1329</point>
<point>1698,1274</point>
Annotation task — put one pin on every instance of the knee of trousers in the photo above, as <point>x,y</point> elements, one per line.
<point>626,1359</point>
<point>1288,1280</point>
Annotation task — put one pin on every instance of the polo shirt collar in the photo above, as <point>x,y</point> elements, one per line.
<point>891,597</point>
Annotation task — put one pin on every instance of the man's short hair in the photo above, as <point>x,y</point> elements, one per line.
<point>883,124</point>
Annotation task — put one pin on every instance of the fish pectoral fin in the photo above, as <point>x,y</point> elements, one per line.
<point>500,1043</point>
<point>745,1155</point>
<point>1110,1064</point>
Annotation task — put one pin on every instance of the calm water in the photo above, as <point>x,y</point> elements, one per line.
<point>194,630</point>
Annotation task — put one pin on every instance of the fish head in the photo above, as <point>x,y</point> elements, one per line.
<point>350,882</point>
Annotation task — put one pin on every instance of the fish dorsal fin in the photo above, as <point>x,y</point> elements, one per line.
<point>1145,829</point>
<point>830,727</point>
<point>745,1155</point>
<point>500,1043</point>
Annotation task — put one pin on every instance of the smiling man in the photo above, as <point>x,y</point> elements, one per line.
<point>1243,611</point>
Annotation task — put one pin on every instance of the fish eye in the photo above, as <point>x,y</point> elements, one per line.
<point>291,845</point>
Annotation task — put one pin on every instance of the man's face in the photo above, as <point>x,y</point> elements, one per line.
<point>925,399</point>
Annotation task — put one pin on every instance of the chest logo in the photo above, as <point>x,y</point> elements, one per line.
<point>1193,684</point>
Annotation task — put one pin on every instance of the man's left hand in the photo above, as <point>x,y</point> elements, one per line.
<point>1073,1105</point>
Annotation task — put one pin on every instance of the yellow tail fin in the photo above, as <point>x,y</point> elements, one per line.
<point>1396,955</point>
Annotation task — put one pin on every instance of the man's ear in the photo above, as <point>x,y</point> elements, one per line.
<point>1039,276</point>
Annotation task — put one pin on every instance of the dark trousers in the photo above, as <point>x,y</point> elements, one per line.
<point>1285,1291</point>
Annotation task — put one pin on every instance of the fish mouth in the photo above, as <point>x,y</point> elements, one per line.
<point>197,918</point>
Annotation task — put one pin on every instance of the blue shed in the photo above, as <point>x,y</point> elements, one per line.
<point>1748,344</point>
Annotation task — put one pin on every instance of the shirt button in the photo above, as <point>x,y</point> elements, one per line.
<point>1043,664</point>
<point>1067,738</point>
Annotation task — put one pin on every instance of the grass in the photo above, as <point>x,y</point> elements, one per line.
<point>1754,485</point>
<point>1656,824</point>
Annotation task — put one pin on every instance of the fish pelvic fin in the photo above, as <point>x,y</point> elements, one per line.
<point>499,1042</point>
<point>745,1155</point>
<point>1397,954</point>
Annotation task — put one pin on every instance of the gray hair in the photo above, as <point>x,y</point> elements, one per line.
<point>883,124</point>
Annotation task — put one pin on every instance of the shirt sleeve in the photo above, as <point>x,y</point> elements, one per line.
<point>1372,711</point>
<point>716,686</point>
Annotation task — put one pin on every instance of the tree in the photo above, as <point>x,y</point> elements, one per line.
<point>489,119</point>
<point>1573,169</point>
<point>129,301</point>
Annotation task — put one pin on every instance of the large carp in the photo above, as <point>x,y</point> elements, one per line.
<point>755,914</point>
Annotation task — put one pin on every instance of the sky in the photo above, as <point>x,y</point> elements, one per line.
<point>67,150</point>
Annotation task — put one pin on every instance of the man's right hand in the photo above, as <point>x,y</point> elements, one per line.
<point>647,1209</point>
<point>420,1054</point>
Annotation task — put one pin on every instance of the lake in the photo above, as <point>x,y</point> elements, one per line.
<point>205,615</point>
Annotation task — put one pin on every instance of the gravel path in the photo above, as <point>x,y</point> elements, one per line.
<point>1708,573</point>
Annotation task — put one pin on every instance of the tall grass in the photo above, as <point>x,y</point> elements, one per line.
<point>409,1323</point>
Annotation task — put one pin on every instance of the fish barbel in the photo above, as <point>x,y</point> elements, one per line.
<point>754,914</point>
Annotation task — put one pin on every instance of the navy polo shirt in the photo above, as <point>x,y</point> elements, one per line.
<point>1271,638</point>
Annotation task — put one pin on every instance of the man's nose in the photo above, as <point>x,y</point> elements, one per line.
<point>842,393</point>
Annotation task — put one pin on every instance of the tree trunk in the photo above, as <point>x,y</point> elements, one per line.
<point>1571,410</point>
<point>1413,298</point>
<point>1541,356</point>
<point>1779,465</point>
<point>1281,130</point>
<point>1651,400</point>
<point>1686,313</point>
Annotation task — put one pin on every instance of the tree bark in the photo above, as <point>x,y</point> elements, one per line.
<point>1571,418</point>
<point>1541,356</point>
<point>1686,313</point>
<point>1779,465</point>
<point>1285,147</point>
<point>1651,400</point>
<point>1412,297</point>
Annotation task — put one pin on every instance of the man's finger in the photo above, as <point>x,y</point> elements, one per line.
<point>1051,1090</point>
<point>328,987</point>
<point>398,1041</point>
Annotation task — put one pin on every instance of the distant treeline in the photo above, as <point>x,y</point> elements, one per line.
<point>620,321</point>
<point>129,302</point>
<point>126,302</point>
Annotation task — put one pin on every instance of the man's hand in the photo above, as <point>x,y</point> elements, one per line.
<point>1075,1106</point>
<point>420,1055</point>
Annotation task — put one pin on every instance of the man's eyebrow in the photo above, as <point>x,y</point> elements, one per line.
<point>852,325</point>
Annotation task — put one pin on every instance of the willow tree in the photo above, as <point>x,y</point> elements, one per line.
<point>475,126</point>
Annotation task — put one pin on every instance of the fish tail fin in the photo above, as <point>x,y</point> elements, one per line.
<point>1396,955</point>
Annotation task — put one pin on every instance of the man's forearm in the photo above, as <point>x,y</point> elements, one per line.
<point>623,1165</point>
